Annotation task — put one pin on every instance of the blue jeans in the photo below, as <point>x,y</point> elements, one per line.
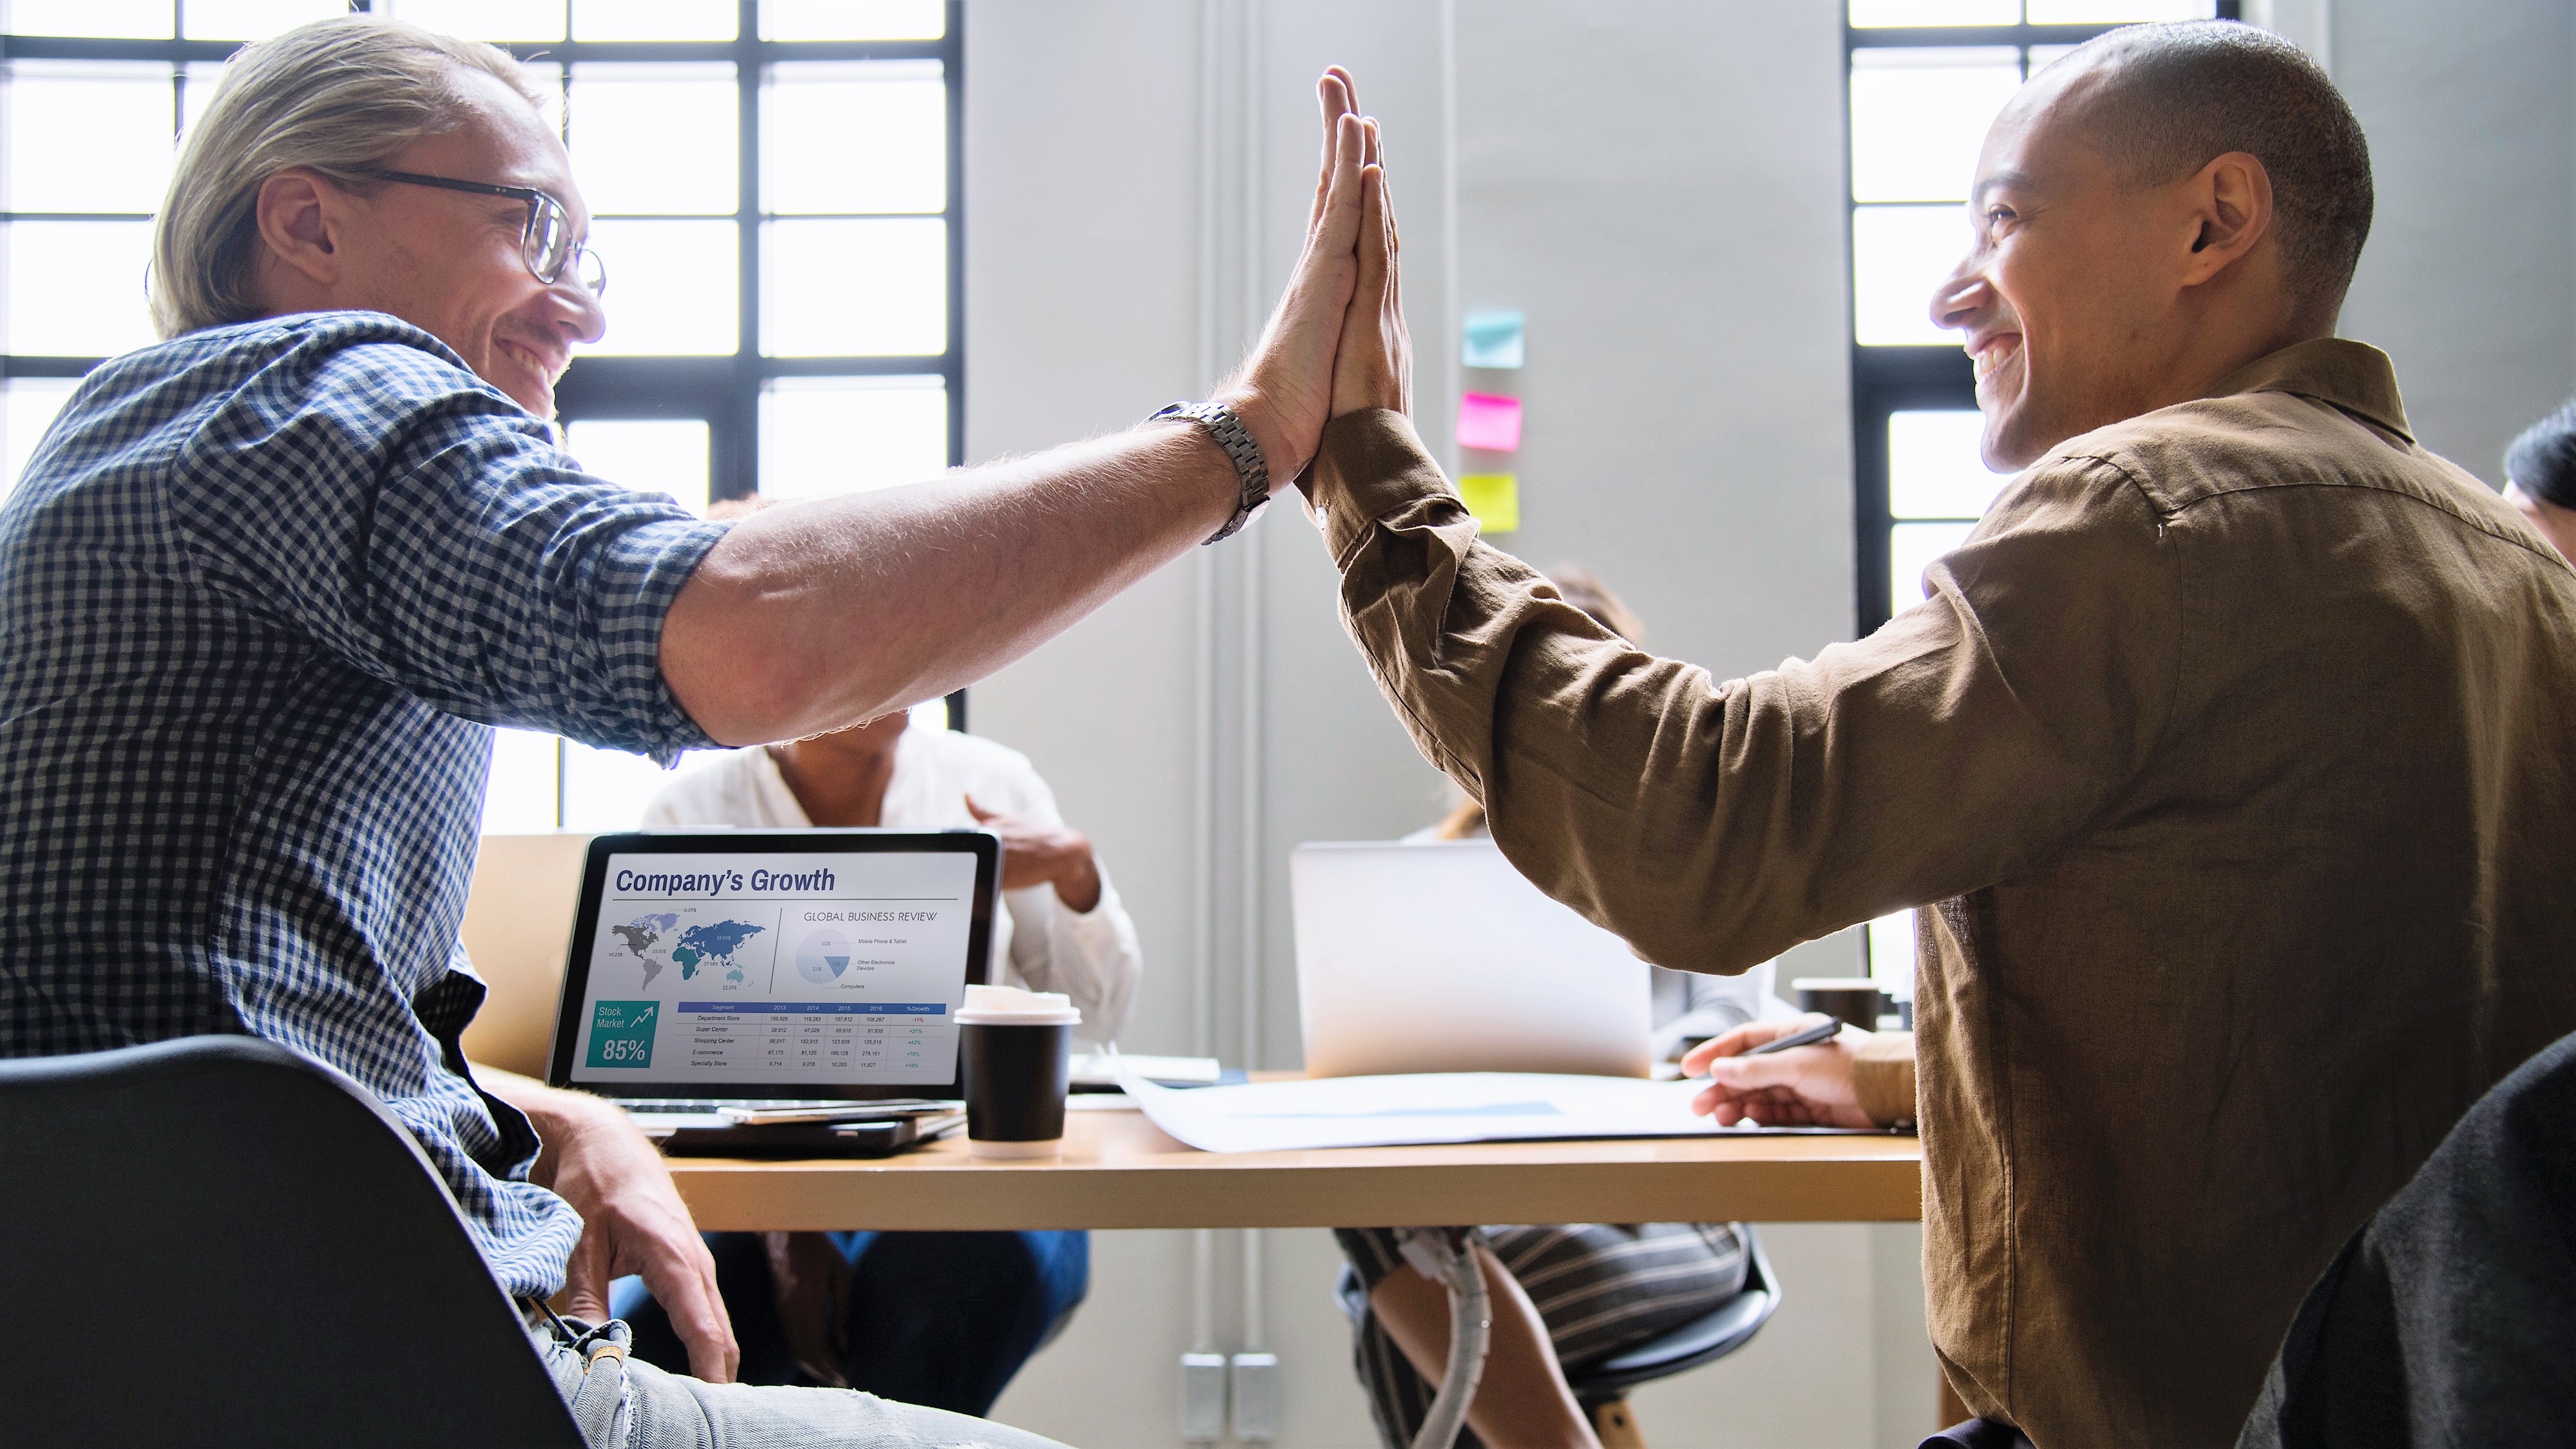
<point>940,1319</point>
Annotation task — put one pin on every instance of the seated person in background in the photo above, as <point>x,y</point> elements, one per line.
<point>942,1319</point>
<point>2231,747</point>
<point>1572,1293</point>
<point>2540,478</point>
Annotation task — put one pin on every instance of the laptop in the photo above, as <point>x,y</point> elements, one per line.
<point>724,979</point>
<point>1440,957</point>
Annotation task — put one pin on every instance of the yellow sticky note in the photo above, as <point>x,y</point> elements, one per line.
<point>1495,499</point>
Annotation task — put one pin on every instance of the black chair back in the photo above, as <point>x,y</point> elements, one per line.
<point>216,1241</point>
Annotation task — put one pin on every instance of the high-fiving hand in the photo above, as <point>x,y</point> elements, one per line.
<point>1373,367</point>
<point>1284,392</point>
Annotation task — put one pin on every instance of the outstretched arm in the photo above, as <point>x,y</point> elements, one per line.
<point>810,618</point>
<point>1715,824</point>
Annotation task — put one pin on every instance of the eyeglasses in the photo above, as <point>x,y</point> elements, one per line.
<point>546,245</point>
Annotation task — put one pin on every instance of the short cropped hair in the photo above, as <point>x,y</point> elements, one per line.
<point>341,97</point>
<point>2542,462</point>
<point>2176,97</point>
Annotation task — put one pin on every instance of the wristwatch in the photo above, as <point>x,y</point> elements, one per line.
<point>1239,444</point>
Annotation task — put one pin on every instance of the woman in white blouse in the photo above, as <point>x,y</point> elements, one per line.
<point>942,1319</point>
<point>1061,927</point>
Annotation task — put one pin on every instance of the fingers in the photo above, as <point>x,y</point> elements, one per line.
<point>1337,225</point>
<point>684,1283</point>
<point>586,1281</point>
<point>1780,1071</point>
<point>982,815</point>
<point>1735,1043</point>
<point>1333,96</point>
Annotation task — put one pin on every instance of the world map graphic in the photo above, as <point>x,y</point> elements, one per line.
<point>708,946</point>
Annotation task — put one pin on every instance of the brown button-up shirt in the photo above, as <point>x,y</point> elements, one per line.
<point>2235,748</point>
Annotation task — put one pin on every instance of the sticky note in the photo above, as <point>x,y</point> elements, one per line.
<point>1495,339</point>
<point>1489,422</point>
<point>1495,499</point>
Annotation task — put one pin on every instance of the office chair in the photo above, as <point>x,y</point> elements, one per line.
<point>216,1241</point>
<point>1602,1388</point>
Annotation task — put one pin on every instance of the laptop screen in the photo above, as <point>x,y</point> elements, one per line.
<point>739,967</point>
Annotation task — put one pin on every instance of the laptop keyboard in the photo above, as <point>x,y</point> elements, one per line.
<point>711,1104</point>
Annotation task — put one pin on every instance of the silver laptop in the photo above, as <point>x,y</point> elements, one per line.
<point>1439,957</point>
<point>716,975</point>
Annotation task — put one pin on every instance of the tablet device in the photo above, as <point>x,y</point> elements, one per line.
<point>713,968</point>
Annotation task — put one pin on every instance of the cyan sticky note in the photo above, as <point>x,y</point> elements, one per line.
<point>1495,499</point>
<point>1489,422</point>
<point>1495,339</point>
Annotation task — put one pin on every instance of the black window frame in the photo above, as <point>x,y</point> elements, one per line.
<point>725,391</point>
<point>1886,380</point>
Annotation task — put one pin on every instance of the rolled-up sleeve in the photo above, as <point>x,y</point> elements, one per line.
<point>415,523</point>
<point>1716,824</point>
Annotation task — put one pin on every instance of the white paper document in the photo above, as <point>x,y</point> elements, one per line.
<point>1426,1107</point>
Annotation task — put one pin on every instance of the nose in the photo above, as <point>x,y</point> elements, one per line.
<point>1961,296</point>
<point>585,317</point>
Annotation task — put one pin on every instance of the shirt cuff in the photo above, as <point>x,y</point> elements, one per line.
<point>1370,465</point>
<point>1883,1077</point>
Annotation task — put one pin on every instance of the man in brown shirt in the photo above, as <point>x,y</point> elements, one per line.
<point>2231,753</point>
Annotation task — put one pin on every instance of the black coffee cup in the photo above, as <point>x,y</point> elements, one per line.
<point>1855,1000</point>
<point>1018,1057</point>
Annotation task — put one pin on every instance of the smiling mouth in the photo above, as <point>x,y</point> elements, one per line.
<point>530,360</point>
<point>1991,354</point>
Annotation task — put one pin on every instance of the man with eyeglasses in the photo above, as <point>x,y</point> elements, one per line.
<point>266,585</point>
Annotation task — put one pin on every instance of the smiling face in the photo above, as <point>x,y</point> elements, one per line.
<point>2088,298</point>
<point>447,262</point>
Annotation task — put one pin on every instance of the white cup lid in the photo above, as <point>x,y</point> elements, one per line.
<point>1011,1006</point>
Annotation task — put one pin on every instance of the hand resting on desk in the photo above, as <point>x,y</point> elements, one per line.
<point>1809,1086</point>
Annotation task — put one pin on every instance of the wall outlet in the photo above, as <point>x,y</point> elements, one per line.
<point>1256,1397</point>
<point>1202,1397</point>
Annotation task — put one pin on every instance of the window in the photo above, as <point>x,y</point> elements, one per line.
<point>1924,80</point>
<point>776,189</point>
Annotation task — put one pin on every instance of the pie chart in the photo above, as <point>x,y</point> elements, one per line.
<point>823,957</point>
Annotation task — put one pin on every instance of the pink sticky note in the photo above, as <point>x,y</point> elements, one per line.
<point>1489,423</point>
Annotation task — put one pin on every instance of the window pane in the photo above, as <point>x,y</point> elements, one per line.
<point>674,287</point>
<point>1933,470</point>
<point>519,796</point>
<point>659,455</point>
<point>1899,255</point>
<point>1911,548</point>
<point>656,138</point>
<point>654,19</point>
<point>128,19</point>
<point>1919,115</point>
<point>855,288</point>
<point>2117,12</point>
<point>1868,13</point>
<point>121,116</point>
<point>821,436</point>
<point>255,19</point>
<point>607,789</point>
<point>27,408</point>
<point>1891,954</point>
<point>75,287</point>
<point>852,19</point>
<point>855,137</point>
<point>484,19</point>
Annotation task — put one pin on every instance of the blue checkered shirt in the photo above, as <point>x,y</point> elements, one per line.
<point>263,590</point>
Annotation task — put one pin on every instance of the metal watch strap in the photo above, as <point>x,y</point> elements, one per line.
<point>1239,445</point>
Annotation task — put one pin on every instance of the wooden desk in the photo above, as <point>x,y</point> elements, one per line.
<point>1120,1171</point>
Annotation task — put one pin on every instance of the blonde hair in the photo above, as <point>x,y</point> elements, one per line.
<point>340,97</point>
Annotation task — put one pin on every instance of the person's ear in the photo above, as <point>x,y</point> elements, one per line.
<point>301,226</point>
<point>2231,213</point>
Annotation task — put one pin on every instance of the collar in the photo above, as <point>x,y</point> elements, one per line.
<point>2337,371</point>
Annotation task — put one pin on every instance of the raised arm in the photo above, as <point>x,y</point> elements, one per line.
<point>810,618</point>
<point>1715,824</point>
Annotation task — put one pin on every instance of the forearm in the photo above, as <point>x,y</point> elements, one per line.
<point>809,618</point>
<point>1883,1077</point>
<point>557,1115</point>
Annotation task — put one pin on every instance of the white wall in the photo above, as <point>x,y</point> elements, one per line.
<point>1658,185</point>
